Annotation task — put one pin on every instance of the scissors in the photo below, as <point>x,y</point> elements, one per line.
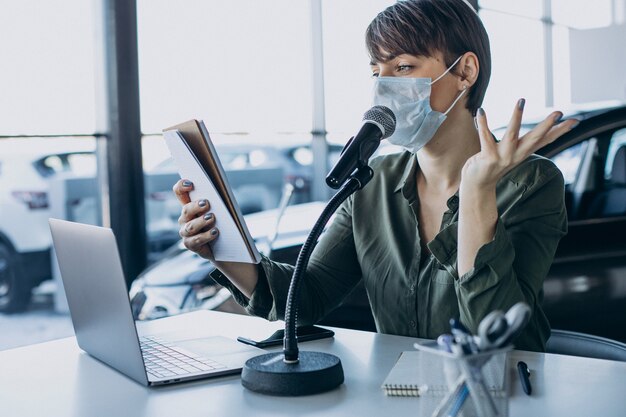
<point>498,329</point>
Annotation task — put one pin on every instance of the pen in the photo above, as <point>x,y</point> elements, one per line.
<point>524,375</point>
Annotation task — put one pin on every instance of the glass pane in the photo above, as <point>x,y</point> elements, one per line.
<point>613,168</point>
<point>241,66</point>
<point>347,75</point>
<point>568,161</point>
<point>47,78</point>
<point>518,67</point>
<point>530,8</point>
<point>33,170</point>
<point>583,14</point>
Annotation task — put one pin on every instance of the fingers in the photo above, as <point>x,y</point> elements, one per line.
<point>512,130</point>
<point>546,132</point>
<point>486,139</point>
<point>554,133</point>
<point>192,210</point>
<point>181,190</point>
<point>197,225</point>
<point>197,242</point>
<point>542,128</point>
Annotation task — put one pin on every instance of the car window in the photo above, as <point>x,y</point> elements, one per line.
<point>569,161</point>
<point>617,141</point>
<point>80,163</point>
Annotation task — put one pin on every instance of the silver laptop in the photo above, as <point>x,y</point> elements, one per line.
<point>103,322</point>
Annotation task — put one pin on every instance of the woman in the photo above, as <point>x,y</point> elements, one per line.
<point>458,225</point>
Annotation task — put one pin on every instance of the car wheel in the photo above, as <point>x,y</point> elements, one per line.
<point>14,290</point>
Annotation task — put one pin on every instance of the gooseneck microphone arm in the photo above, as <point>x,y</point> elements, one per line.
<point>302,373</point>
<point>355,182</point>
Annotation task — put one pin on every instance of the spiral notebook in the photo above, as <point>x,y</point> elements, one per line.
<point>419,374</point>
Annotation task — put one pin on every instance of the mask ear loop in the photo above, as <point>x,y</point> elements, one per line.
<point>456,100</point>
<point>446,71</point>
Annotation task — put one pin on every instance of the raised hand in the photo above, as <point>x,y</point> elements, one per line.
<point>495,159</point>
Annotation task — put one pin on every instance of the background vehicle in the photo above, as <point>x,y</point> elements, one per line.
<point>294,158</point>
<point>585,289</point>
<point>26,168</point>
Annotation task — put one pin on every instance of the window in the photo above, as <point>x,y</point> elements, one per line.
<point>569,161</point>
<point>516,72</point>
<point>527,8</point>
<point>347,75</point>
<point>241,66</point>
<point>618,141</point>
<point>47,83</point>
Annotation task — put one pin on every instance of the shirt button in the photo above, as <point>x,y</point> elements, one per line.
<point>412,288</point>
<point>412,324</point>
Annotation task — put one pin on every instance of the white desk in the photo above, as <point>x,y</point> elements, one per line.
<point>58,379</point>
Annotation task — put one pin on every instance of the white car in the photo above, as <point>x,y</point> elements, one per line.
<point>27,165</point>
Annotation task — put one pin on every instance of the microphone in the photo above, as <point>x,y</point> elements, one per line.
<point>379,123</point>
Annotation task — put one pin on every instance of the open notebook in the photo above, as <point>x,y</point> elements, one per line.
<point>196,160</point>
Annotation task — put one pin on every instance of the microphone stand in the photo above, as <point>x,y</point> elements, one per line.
<point>294,372</point>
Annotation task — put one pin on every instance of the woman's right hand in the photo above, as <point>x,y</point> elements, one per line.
<point>197,223</point>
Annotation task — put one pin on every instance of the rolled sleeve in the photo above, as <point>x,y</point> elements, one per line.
<point>331,274</point>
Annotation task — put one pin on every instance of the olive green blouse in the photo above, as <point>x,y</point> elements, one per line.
<point>375,237</point>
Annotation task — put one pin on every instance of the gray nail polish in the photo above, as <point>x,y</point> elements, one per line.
<point>202,203</point>
<point>558,117</point>
<point>213,232</point>
<point>208,216</point>
<point>481,112</point>
<point>575,124</point>
<point>187,183</point>
<point>521,103</point>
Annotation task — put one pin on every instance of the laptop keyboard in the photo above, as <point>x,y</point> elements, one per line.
<point>164,359</point>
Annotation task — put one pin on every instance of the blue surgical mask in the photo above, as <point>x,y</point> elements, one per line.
<point>409,99</point>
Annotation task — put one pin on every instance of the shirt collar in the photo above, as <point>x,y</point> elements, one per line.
<point>409,172</point>
<point>407,180</point>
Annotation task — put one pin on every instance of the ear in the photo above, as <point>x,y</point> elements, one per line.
<point>468,69</point>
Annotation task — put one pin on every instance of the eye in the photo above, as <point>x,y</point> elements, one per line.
<point>374,74</point>
<point>404,68</point>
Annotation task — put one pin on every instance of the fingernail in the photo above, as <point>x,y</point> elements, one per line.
<point>208,216</point>
<point>187,183</point>
<point>576,123</point>
<point>557,117</point>
<point>202,203</point>
<point>521,103</point>
<point>481,112</point>
<point>213,232</point>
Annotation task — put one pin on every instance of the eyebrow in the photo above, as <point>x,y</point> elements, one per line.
<point>389,58</point>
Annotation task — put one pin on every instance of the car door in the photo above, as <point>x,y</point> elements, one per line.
<point>586,286</point>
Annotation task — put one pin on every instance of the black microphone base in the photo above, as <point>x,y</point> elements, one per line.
<point>314,373</point>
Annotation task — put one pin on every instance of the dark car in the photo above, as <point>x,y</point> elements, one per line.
<point>586,286</point>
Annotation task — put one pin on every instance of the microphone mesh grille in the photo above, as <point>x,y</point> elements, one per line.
<point>383,116</point>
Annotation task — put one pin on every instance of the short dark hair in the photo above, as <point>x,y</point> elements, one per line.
<point>424,27</point>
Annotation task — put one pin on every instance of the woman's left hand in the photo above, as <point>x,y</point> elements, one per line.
<point>495,159</point>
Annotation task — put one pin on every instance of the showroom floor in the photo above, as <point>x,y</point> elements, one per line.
<point>38,324</point>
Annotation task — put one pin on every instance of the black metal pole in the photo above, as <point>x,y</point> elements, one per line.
<point>124,170</point>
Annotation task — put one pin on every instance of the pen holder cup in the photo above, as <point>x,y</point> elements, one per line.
<point>476,383</point>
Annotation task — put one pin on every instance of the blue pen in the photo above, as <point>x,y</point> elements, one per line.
<point>458,402</point>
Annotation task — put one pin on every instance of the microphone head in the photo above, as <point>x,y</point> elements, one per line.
<point>383,117</point>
